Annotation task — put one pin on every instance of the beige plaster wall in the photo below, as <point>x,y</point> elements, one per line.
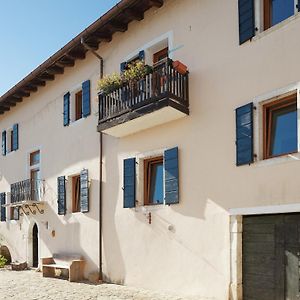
<point>186,249</point>
<point>194,257</point>
<point>64,151</point>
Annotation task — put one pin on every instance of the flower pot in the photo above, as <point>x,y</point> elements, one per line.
<point>180,67</point>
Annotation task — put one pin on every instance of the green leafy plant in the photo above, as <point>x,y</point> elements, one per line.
<point>3,261</point>
<point>134,72</point>
<point>110,83</point>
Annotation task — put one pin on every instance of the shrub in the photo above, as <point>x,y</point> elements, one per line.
<point>133,73</point>
<point>110,83</point>
<point>3,261</point>
<point>136,71</point>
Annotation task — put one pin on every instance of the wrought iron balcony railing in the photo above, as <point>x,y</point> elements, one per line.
<point>164,83</point>
<point>27,190</point>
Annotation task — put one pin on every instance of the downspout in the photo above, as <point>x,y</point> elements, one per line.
<point>100,168</point>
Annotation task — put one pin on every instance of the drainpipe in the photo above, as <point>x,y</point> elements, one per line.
<point>100,167</point>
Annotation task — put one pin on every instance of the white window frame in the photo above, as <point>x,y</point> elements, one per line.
<point>140,158</point>
<point>150,48</point>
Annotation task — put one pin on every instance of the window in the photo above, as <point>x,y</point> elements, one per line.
<point>34,158</point>
<point>258,15</point>
<point>156,182</point>
<point>153,181</point>
<point>35,175</point>
<point>10,140</point>
<point>276,11</point>
<point>280,127</point>
<point>160,55</point>
<point>76,193</point>
<point>78,105</point>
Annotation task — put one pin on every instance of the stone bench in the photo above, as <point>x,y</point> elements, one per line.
<point>74,264</point>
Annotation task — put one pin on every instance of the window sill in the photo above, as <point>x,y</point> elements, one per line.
<point>74,123</point>
<point>10,153</point>
<point>277,160</point>
<point>275,27</point>
<point>149,207</point>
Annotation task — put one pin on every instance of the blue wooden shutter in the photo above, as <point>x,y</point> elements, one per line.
<point>15,145</point>
<point>3,209</point>
<point>298,5</point>
<point>129,182</point>
<point>244,134</point>
<point>246,20</point>
<point>142,55</point>
<point>123,66</point>
<point>86,98</point>
<point>84,191</point>
<point>171,176</point>
<point>4,142</point>
<point>61,195</point>
<point>67,109</point>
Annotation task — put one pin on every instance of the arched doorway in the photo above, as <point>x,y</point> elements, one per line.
<point>5,252</point>
<point>35,246</point>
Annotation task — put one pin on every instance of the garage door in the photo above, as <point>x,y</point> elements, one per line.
<point>271,251</point>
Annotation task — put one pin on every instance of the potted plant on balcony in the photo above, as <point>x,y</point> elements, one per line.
<point>135,74</point>
<point>110,83</point>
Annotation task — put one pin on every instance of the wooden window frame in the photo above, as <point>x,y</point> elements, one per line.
<point>75,204</point>
<point>148,163</point>
<point>268,110</point>
<point>267,14</point>
<point>78,105</point>
<point>158,54</point>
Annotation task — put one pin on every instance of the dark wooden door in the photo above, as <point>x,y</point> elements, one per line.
<point>271,250</point>
<point>35,247</point>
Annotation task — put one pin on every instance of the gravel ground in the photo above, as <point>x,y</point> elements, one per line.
<point>30,285</point>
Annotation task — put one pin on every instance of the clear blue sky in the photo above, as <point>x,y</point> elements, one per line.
<point>33,30</point>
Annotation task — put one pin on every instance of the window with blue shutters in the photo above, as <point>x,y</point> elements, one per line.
<point>244,134</point>
<point>158,183</point>
<point>10,139</point>
<point>259,15</point>
<point>77,103</point>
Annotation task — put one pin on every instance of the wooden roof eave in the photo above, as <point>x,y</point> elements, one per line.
<point>102,30</point>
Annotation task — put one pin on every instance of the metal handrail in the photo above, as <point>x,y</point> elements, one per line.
<point>27,190</point>
<point>164,81</point>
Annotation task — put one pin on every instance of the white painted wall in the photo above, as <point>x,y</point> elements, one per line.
<point>186,249</point>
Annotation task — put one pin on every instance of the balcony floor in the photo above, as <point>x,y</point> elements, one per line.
<point>158,113</point>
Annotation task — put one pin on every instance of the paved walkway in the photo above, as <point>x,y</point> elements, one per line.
<point>30,285</point>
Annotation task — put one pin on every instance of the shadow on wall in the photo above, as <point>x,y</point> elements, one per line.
<point>113,259</point>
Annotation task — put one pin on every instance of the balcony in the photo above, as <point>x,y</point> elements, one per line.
<point>27,192</point>
<point>162,96</point>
